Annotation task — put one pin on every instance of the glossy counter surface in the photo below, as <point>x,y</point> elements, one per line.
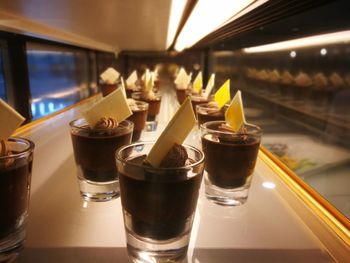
<point>64,228</point>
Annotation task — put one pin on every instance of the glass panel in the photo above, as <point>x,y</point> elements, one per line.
<point>301,98</point>
<point>2,77</point>
<point>58,78</point>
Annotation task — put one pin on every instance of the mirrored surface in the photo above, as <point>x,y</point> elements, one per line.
<point>300,96</point>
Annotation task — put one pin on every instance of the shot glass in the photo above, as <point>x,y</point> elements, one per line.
<point>158,203</point>
<point>139,117</point>
<point>15,180</point>
<point>94,152</point>
<point>206,113</point>
<point>230,161</point>
<point>107,88</point>
<point>197,99</point>
<point>153,104</point>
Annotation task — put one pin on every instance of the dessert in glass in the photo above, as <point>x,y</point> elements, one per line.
<point>108,88</point>
<point>230,161</point>
<point>210,112</point>
<point>16,157</point>
<point>182,91</point>
<point>197,99</point>
<point>139,116</point>
<point>159,203</point>
<point>94,150</point>
<point>153,100</point>
<point>130,89</point>
<point>109,81</point>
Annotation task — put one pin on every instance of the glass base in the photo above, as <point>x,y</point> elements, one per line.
<point>98,191</point>
<point>12,245</point>
<point>150,250</point>
<point>151,125</point>
<point>226,196</point>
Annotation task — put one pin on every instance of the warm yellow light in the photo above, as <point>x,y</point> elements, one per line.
<point>324,39</point>
<point>176,11</point>
<point>207,16</point>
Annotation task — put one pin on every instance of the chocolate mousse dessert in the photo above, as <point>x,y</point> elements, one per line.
<point>159,202</point>
<point>109,81</point>
<point>210,112</point>
<point>153,100</point>
<point>107,88</point>
<point>15,177</point>
<point>197,99</point>
<point>139,116</point>
<point>181,93</point>
<point>94,147</point>
<point>230,157</point>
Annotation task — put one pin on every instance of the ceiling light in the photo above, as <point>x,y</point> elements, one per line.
<point>208,16</point>
<point>324,39</point>
<point>176,11</point>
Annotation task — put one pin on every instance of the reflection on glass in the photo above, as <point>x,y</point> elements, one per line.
<point>302,102</point>
<point>2,78</point>
<point>58,78</point>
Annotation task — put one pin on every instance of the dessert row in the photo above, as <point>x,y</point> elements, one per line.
<point>158,182</point>
<point>316,80</point>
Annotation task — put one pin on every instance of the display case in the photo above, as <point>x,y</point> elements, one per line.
<point>295,80</point>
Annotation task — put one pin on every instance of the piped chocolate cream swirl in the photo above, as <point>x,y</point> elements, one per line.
<point>106,123</point>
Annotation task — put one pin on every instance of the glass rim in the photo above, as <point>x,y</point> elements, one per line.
<point>72,124</point>
<point>143,104</point>
<point>136,93</point>
<point>257,132</point>
<point>185,167</point>
<point>205,106</point>
<point>200,97</point>
<point>30,147</point>
<point>101,82</point>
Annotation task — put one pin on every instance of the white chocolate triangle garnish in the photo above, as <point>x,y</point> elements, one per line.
<point>130,81</point>
<point>145,76</point>
<point>113,106</point>
<point>181,78</point>
<point>123,86</point>
<point>210,86</point>
<point>149,83</point>
<point>176,131</point>
<point>10,120</point>
<point>110,76</point>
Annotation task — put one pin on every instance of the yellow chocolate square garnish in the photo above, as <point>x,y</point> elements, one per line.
<point>222,95</point>
<point>234,115</point>
<point>198,83</point>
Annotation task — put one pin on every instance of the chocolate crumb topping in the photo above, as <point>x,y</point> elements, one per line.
<point>176,157</point>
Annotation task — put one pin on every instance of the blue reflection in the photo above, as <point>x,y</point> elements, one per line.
<point>2,79</point>
<point>57,79</point>
<point>46,107</point>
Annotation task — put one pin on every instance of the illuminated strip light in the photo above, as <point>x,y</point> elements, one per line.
<point>176,11</point>
<point>331,38</point>
<point>207,16</point>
